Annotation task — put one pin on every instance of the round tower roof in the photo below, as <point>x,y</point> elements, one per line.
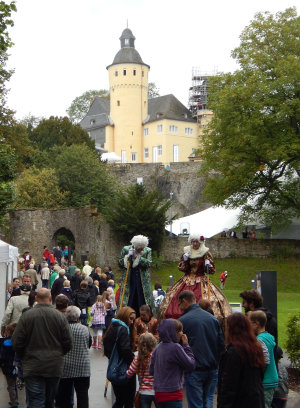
<point>127,53</point>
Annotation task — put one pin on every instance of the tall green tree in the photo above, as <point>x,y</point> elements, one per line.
<point>16,135</point>
<point>251,149</point>
<point>58,131</point>
<point>38,188</point>
<point>6,10</point>
<point>80,105</point>
<point>8,164</point>
<point>83,176</point>
<point>138,211</point>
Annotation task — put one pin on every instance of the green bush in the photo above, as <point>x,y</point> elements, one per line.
<point>293,342</point>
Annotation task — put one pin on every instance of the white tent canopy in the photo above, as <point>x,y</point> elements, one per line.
<point>110,157</point>
<point>8,270</point>
<point>208,222</point>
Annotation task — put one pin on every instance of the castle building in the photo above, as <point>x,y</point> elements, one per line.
<point>136,129</point>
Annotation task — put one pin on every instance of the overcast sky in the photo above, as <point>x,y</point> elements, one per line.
<point>62,47</point>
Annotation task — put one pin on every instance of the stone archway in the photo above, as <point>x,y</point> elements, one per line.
<point>63,236</point>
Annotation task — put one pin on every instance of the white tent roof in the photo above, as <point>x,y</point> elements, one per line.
<point>8,252</point>
<point>208,222</point>
<point>110,157</point>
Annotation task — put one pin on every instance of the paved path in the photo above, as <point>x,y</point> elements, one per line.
<point>97,400</point>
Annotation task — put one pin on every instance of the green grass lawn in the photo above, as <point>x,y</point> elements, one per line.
<point>241,271</point>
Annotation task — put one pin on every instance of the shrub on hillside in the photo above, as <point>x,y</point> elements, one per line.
<point>293,342</point>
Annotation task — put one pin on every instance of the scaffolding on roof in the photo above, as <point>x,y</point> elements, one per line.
<point>198,92</point>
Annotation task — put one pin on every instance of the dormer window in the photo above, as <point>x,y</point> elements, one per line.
<point>126,41</point>
<point>92,121</point>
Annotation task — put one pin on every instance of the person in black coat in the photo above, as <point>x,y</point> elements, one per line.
<point>92,289</point>
<point>252,300</point>
<point>241,369</point>
<point>76,280</point>
<point>82,299</point>
<point>58,284</point>
<point>125,343</point>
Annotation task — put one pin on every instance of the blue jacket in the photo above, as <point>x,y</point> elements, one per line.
<point>170,360</point>
<point>205,337</point>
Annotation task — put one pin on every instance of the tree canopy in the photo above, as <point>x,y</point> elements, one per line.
<point>38,188</point>
<point>6,9</point>
<point>82,175</point>
<point>58,131</point>
<point>251,149</point>
<point>80,105</point>
<point>8,163</point>
<point>136,211</point>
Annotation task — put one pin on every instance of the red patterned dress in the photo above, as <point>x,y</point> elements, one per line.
<point>196,279</point>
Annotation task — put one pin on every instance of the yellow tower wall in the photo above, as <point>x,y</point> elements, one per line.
<point>128,108</point>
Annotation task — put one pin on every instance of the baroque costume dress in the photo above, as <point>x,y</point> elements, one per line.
<point>138,290</point>
<point>196,279</point>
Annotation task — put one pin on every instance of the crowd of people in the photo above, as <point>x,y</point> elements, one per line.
<point>193,343</point>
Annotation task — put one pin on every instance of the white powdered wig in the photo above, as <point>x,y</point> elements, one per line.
<point>140,241</point>
<point>196,237</point>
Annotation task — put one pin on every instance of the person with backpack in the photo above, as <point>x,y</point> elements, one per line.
<point>82,300</point>
<point>7,357</point>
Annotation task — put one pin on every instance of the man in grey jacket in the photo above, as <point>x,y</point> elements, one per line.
<point>16,304</point>
<point>41,339</point>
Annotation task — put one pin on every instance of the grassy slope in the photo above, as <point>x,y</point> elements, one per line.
<point>241,271</point>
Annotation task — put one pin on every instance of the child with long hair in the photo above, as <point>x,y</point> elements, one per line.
<point>98,312</point>
<point>122,333</point>
<point>241,369</point>
<point>140,366</point>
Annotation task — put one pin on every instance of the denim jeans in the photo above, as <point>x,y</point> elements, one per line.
<point>41,391</point>
<point>83,319</point>
<point>211,391</point>
<point>198,386</point>
<point>146,400</point>
<point>170,404</point>
<point>45,283</point>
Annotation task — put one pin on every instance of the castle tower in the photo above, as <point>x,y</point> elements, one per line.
<point>128,86</point>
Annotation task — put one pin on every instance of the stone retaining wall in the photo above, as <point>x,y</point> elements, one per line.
<point>32,229</point>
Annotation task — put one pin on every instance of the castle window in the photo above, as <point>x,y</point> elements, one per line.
<point>173,129</point>
<point>133,157</point>
<point>159,150</point>
<point>92,121</point>
<point>143,73</point>
<point>146,132</point>
<point>118,103</point>
<point>134,72</point>
<point>188,131</point>
<point>124,71</point>
<point>146,153</point>
<point>116,73</point>
<point>159,128</point>
<point>126,41</point>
